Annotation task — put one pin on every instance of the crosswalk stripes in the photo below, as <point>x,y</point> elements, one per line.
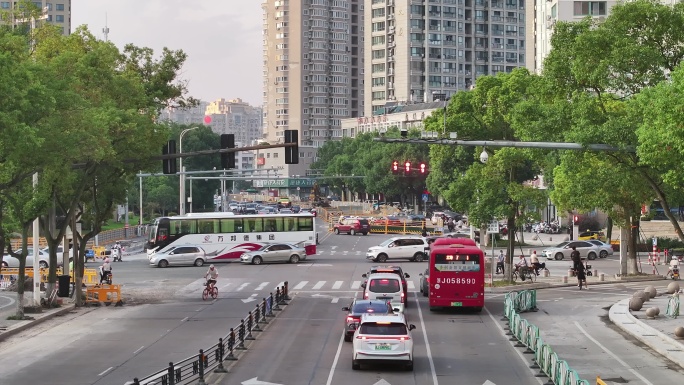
<point>337,285</point>
<point>410,285</point>
<point>262,286</point>
<point>300,285</point>
<point>356,285</point>
<point>319,285</point>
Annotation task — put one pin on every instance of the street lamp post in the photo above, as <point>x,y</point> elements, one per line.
<point>181,207</point>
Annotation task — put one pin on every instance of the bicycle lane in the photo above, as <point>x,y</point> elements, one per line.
<point>112,345</point>
<point>575,324</point>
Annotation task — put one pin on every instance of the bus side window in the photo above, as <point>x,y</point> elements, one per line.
<point>290,224</point>
<point>188,226</point>
<point>175,227</point>
<point>305,224</point>
<point>208,226</point>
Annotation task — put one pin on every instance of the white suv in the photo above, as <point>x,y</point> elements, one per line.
<point>411,248</point>
<point>387,287</point>
<point>383,338</point>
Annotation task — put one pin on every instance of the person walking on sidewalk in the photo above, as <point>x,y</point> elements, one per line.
<point>500,263</point>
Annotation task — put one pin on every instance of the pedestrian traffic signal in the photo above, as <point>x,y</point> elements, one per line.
<point>292,153</point>
<point>407,167</point>
<point>395,167</point>
<point>169,165</point>
<point>423,168</point>
<point>227,158</point>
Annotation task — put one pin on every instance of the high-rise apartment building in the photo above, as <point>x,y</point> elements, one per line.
<point>419,51</point>
<point>313,67</point>
<point>189,115</point>
<point>56,12</point>
<point>238,118</point>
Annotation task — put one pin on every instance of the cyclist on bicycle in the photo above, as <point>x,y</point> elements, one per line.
<point>211,276</point>
<point>534,260</point>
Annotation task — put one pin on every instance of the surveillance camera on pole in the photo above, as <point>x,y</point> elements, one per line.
<point>484,156</point>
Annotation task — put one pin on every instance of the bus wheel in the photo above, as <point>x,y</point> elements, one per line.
<point>432,308</point>
<point>382,258</point>
<point>418,257</point>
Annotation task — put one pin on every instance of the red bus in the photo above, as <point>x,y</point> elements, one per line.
<point>456,277</point>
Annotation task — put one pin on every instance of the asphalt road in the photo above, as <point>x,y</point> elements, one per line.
<point>167,321</point>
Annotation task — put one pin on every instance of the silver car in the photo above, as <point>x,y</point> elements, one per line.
<point>43,259</point>
<point>275,252</point>
<point>564,249</point>
<point>179,256</point>
<point>605,249</point>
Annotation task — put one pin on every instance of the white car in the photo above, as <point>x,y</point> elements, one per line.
<point>179,256</point>
<point>274,252</point>
<point>43,259</point>
<point>387,287</point>
<point>605,249</point>
<point>408,247</point>
<point>564,249</point>
<point>383,338</point>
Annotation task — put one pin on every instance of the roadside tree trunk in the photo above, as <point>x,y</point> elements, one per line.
<point>632,267</point>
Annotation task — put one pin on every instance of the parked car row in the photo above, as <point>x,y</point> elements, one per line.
<point>196,255</point>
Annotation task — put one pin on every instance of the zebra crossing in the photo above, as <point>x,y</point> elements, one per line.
<point>237,285</point>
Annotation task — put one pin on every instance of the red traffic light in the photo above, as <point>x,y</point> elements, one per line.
<point>423,168</point>
<point>407,167</point>
<point>575,219</point>
<point>395,167</point>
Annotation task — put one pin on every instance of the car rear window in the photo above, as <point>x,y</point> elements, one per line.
<point>383,329</point>
<point>363,222</point>
<point>384,285</point>
<point>373,307</point>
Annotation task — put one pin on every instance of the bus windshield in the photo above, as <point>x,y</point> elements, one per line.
<point>456,263</point>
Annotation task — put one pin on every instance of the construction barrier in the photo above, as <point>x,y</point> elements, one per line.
<point>104,293</point>
<point>527,335</point>
<point>673,306</point>
<point>90,276</point>
<point>599,381</point>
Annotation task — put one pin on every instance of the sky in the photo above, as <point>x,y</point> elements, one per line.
<point>222,39</point>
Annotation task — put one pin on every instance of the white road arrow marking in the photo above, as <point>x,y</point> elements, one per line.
<point>488,383</point>
<point>250,299</point>
<point>314,265</point>
<point>320,296</point>
<point>254,381</point>
<point>382,382</point>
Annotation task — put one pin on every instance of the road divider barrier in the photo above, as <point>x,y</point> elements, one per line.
<point>194,369</point>
<point>527,336</point>
<point>90,276</point>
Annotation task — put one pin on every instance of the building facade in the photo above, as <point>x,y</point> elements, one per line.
<point>190,115</point>
<point>418,51</point>
<point>313,67</point>
<point>405,117</point>
<point>55,12</point>
<point>236,117</point>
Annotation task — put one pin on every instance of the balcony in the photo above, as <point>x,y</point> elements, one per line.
<point>511,19</point>
<point>435,70</point>
<point>511,46</point>
<point>496,18</point>
<point>435,56</point>
<point>435,13</point>
<point>497,45</point>
<point>497,32</point>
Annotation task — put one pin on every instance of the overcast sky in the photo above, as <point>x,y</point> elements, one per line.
<point>221,37</point>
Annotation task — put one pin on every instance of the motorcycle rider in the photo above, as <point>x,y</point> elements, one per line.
<point>105,270</point>
<point>674,265</point>
<point>116,251</point>
<point>534,261</point>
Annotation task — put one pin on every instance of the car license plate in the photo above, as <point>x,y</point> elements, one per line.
<point>457,304</point>
<point>387,298</point>
<point>382,347</point>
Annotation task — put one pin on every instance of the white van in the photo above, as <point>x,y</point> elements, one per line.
<point>386,287</point>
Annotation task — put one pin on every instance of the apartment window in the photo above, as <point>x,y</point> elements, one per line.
<point>554,11</point>
<point>378,53</point>
<point>59,7</point>
<point>377,40</point>
<point>378,82</point>
<point>592,8</point>
<point>4,5</point>
<point>379,26</point>
<point>378,12</point>
<point>417,51</point>
<point>59,18</point>
<point>417,10</point>
<point>379,95</point>
<point>379,67</point>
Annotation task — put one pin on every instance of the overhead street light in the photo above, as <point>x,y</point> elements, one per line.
<point>181,207</point>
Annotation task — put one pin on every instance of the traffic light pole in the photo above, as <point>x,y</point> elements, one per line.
<point>510,143</point>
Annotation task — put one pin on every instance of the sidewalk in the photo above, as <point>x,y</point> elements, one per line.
<point>657,333</point>
<point>12,327</point>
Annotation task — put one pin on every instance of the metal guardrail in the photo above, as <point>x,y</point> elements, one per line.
<point>673,306</point>
<point>527,336</point>
<point>193,369</point>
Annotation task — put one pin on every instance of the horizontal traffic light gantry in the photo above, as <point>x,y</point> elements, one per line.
<point>408,168</point>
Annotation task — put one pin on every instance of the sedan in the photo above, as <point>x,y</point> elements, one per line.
<point>179,256</point>
<point>605,249</point>
<point>360,307</point>
<point>564,249</point>
<point>43,259</point>
<point>424,283</point>
<point>275,252</point>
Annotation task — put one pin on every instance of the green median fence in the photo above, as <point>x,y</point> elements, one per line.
<point>673,306</point>
<point>527,336</point>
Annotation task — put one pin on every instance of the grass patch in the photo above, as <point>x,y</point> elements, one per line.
<point>503,283</point>
<point>18,318</point>
<point>133,220</point>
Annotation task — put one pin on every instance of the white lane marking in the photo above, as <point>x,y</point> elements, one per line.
<point>590,291</point>
<point>333,247</point>
<point>244,285</point>
<point>138,351</point>
<point>226,285</point>
<point>410,285</point>
<point>356,284</point>
<point>184,319</point>
<point>105,372</point>
<point>427,344</point>
<point>300,285</point>
<point>318,285</point>
<point>605,349</point>
<point>281,284</point>
<point>10,299</point>
<point>337,357</point>
<point>518,351</point>
<point>261,286</point>
<point>335,300</point>
<point>337,285</point>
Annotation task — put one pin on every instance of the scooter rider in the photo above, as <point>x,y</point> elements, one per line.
<point>105,270</point>
<point>116,251</point>
<point>674,264</point>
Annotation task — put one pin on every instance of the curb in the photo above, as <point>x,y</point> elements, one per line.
<point>17,329</point>
<point>665,345</point>
<point>551,285</point>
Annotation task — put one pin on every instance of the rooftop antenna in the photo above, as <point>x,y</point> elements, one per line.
<point>105,30</point>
